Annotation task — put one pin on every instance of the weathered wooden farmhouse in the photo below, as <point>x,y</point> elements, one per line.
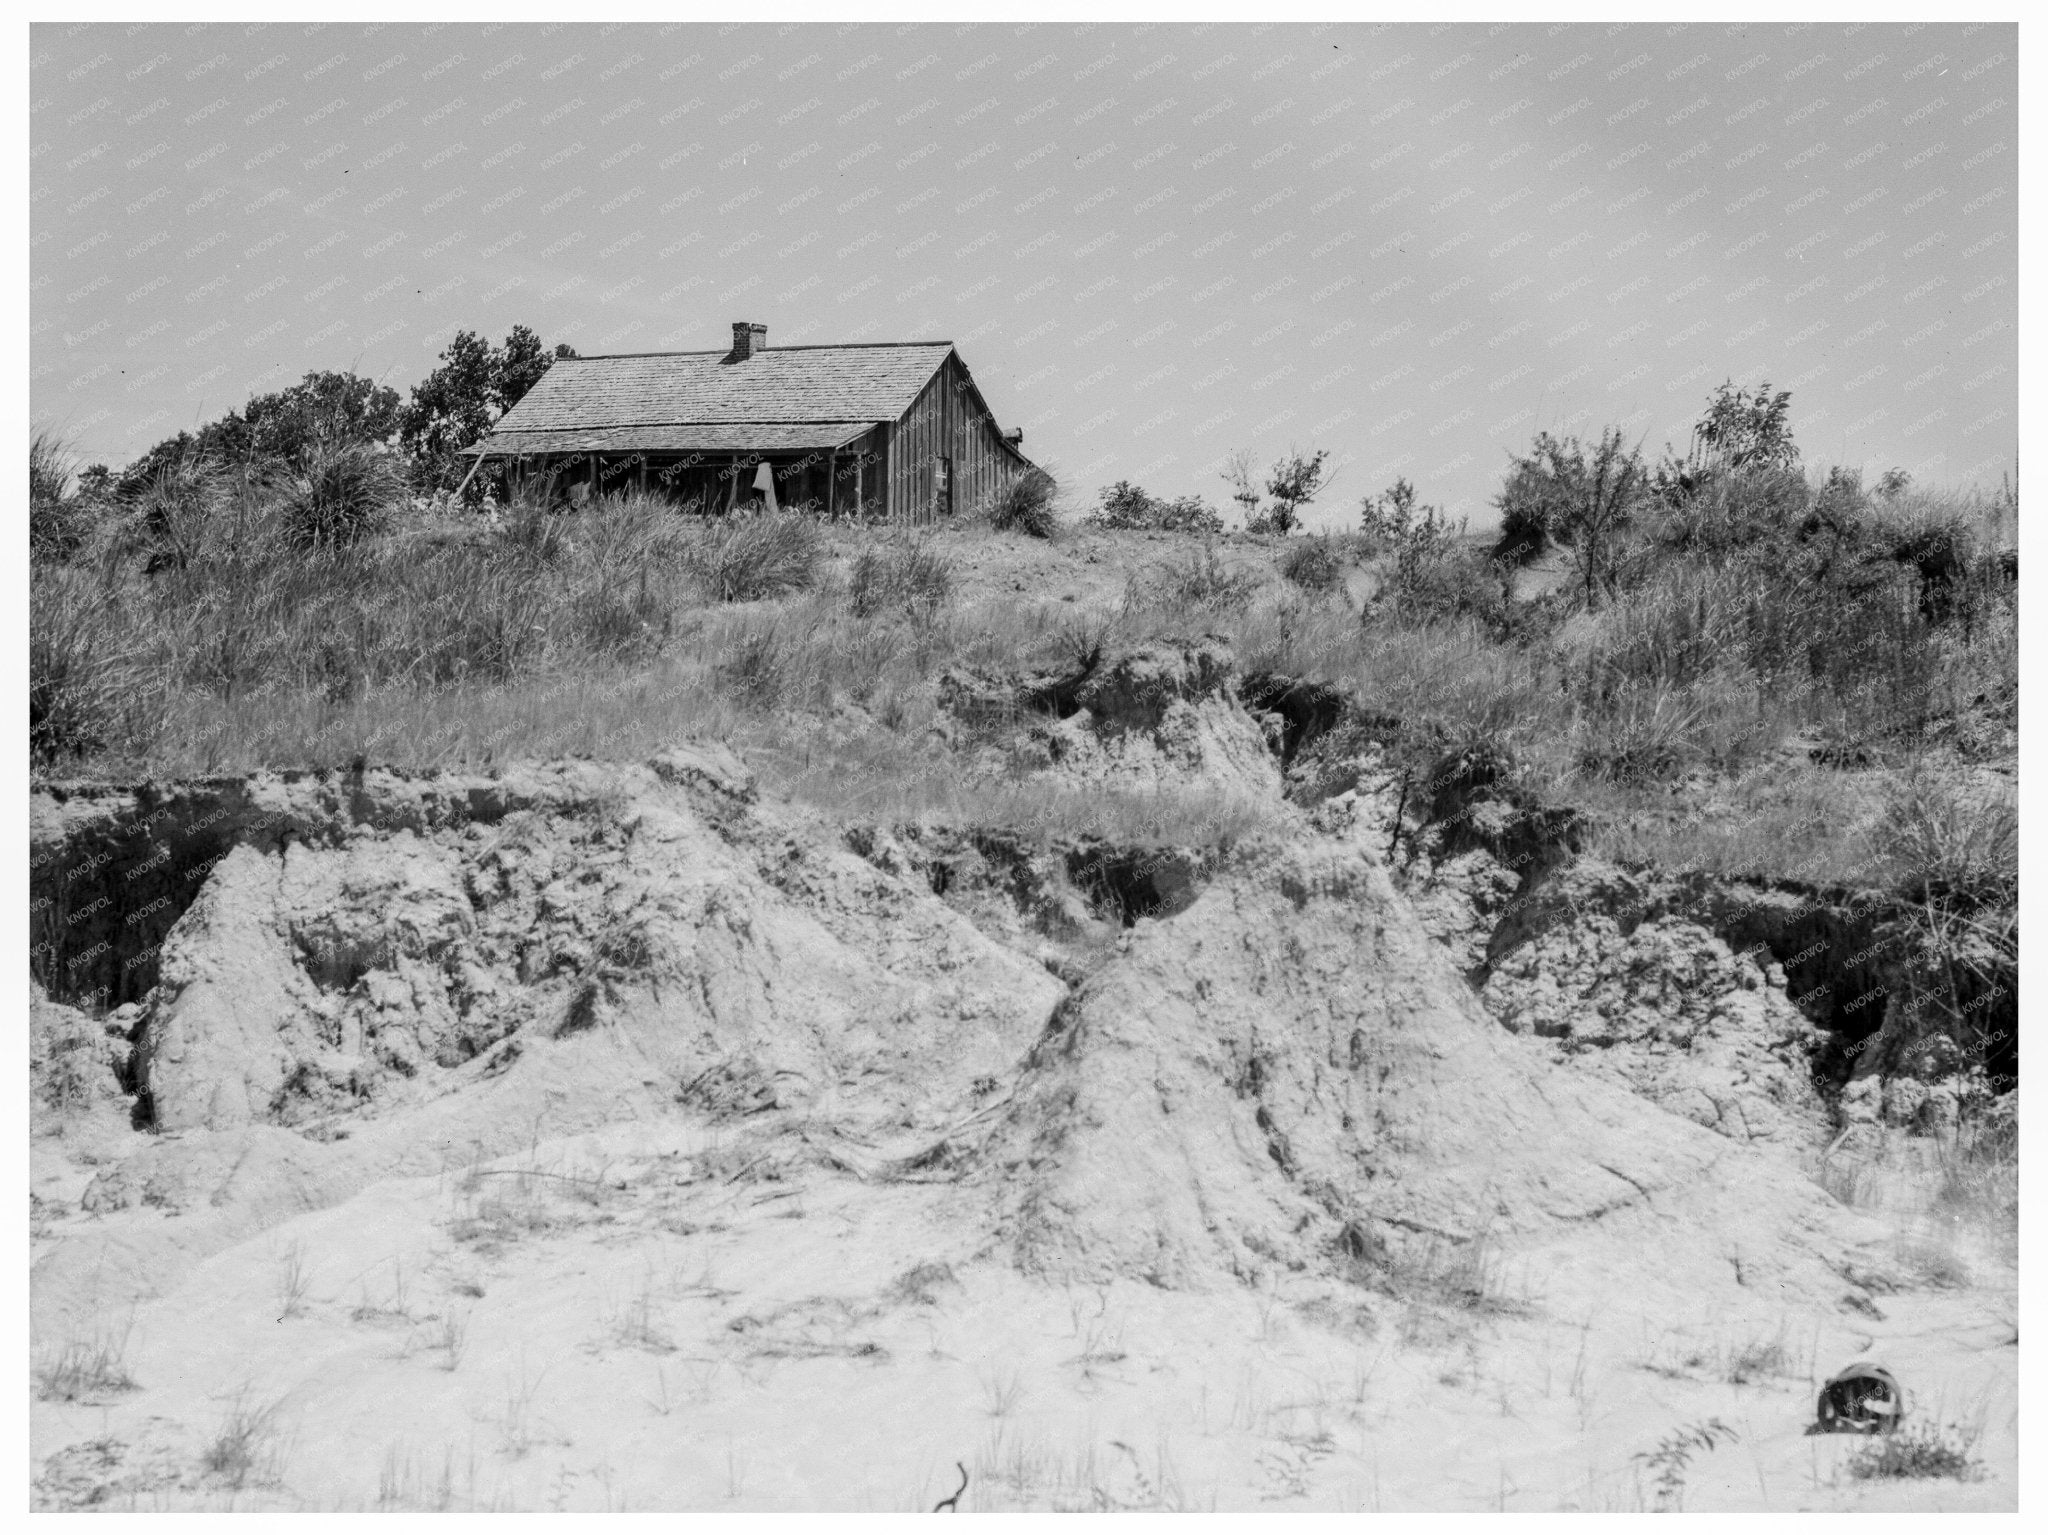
<point>891,431</point>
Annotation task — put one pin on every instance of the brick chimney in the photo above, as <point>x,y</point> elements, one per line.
<point>1014,437</point>
<point>747,340</point>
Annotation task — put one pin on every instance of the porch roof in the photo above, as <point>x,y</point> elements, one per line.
<point>713,437</point>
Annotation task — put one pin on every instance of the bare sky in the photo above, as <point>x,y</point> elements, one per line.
<point>1412,245</point>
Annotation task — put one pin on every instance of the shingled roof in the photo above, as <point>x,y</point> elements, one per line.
<point>788,385</point>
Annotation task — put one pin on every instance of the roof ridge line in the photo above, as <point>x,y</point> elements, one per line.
<point>740,421</point>
<point>806,346</point>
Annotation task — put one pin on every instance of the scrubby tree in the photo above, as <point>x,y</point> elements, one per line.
<point>1583,497</point>
<point>276,431</point>
<point>456,404</point>
<point>1244,489</point>
<point>324,409</point>
<point>1292,485</point>
<point>1744,429</point>
<point>1293,482</point>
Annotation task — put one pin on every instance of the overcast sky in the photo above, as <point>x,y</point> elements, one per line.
<point>1154,245</point>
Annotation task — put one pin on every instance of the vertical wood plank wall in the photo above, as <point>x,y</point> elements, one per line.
<point>942,423</point>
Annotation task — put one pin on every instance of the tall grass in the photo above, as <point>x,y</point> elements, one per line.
<point>343,493</point>
<point>89,681</point>
<point>912,577</point>
<point>744,559</point>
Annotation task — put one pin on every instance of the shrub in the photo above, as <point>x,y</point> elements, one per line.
<point>1425,587</point>
<point>177,511</point>
<point>1922,1450</point>
<point>1723,513</point>
<point>1581,496</point>
<point>1130,507</point>
<point>247,1446</point>
<point>1026,505</point>
<point>343,495</point>
<point>1293,483</point>
<point>911,576</point>
<point>1315,565</point>
<point>86,675</point>
<point>743,559</point>
<point>1200,579</point>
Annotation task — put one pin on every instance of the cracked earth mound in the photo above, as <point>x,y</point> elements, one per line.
<point>1290,1077</point>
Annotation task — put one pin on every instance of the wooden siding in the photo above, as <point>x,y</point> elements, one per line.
<point>946,421</point>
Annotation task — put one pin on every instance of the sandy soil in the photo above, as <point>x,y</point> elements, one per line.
<point>615,1329</point>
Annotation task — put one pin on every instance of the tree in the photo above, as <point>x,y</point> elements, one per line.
<point>1292,483</point>
<point>276,431</point>
<point>323,409</point>
<point>1582,498</point>
<point>1748,429</point>
<point>521,362</point>
<point>1237,473</point>
<point>456,404</point>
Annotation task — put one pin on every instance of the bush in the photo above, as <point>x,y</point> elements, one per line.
<point>743,559</point>
<point>1315,565</point>
<point>1129,507</point>
<point>1425,587</point>
<point>343,495</point>
<point>1922,1450</point>
<point>1200,579</point>
<point>1721,513</point>
<point>910,576</point>
<point>1026,506</point>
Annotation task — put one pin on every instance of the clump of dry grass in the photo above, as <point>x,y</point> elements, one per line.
<point>1201,579</point>
<point>86,1369</point>
<point>343,493</point>
<point>88,676</point>
<point>248,1446</point>
<point>902,575</point>
<point>745,559</point>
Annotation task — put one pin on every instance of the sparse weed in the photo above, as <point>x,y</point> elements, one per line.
<point>453,1339</point>
<point>518,1430</point>
<point>1759,1359</point>
<point>395,1308</point>
<point>1668,1462</point>
<point>403,1485</point>
<point>247,1447</point>
<point>87,1369</point>
<point>635,1325</point>
<point>293,1278</point>
<point>1000,1391</point>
